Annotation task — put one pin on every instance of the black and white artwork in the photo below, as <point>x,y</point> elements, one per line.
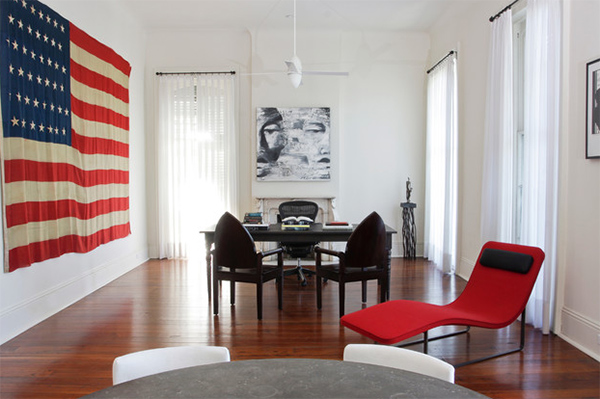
<point>593,110</point>
<point>293,144</point>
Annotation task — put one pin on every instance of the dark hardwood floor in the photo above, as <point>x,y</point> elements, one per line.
<point>165,303</point>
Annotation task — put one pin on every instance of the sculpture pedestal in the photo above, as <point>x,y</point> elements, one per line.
<point>409,230</point>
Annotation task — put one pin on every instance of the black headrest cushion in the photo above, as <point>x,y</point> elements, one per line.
<point>506,260</point>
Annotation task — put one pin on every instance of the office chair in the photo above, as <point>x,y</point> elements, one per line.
<point>236,259</point>
<point>494,297</point>
<point>298,250</point>
<point>153,361</point>
<point>400,358</point>
<point>365,258</point>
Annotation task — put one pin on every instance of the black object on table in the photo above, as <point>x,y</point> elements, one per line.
<point>268,378</point>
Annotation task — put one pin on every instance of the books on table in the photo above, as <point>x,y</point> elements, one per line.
<point>337,226</point>
<point>296,223</point>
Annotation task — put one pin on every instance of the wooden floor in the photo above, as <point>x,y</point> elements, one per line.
<point>165,303</point>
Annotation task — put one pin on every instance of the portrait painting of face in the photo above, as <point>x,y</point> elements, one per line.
<point>293,144</point>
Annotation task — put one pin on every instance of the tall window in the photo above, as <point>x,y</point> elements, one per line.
<point>520,174</point>
<point>441,167</point>
<point>519,32</point>
<point>197,172</point>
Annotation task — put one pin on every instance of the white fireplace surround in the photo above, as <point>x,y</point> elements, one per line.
<point>269,207</point>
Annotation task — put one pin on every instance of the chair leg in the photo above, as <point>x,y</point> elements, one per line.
<point>279,283</point>
<point>383,294</point>
<point>259,300</point>
<point>319,293</point>
<point>342,291</point>
<point>215,294</point>
<point>232,290</point>
<point>364,291</point>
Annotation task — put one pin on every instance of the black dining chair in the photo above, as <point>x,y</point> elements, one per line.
<point>365,258</point>
<point>236,259</point>
<point>298,250</point>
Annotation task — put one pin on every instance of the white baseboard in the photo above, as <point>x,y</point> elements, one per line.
<point>581,332</point>
<point>26,314</point>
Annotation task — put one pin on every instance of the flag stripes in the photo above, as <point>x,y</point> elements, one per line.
<point>65,136</point>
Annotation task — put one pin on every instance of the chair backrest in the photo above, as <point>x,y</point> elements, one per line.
<point>400,358</point>
<point>366,245</point>
<point>298,208</point>
<point>501,282</point>
<point>234,246</point>
<point>154,361</point>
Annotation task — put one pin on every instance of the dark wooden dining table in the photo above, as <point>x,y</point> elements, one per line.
<point>275,233</point>
<point>287,378</point>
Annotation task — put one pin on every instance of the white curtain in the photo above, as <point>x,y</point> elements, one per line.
<point>497,197</point>
<point>441,166</point>
<point>197,172</point>
<point>540,180</point>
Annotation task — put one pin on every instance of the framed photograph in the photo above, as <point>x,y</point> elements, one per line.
<point>592,136</point>
<point>293,144</point>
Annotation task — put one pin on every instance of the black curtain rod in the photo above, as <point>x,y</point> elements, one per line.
<point>197,73</point>
<point>442,60</point>
<point>508,7</point>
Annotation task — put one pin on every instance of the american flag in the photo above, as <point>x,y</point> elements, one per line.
<point>65,136</point>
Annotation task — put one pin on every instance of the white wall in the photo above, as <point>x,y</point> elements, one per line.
<point>377,113</point>
<point>29,295</point>
<point>468,28</point>
<point>578,317</point>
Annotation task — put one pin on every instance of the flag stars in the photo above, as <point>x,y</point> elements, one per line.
<point>32,9</point>
<point>23,123</point>
<point>24,50</point>
<point>15,45</point>
<point>20,23</point>
<point>15,121</point>
<point>54,85</point>
<point>47,82</point>
<point>29,29</point>
<point>55,23</point>
<point>41,58</point>
<point>33,54</point>
<point>30,76</point>
<point>24,3</point>
<point>11,69</point>
<point>38,35</point>
<point>27,100</point>
<point>45,38</point>
<point>48,19</point>
<point>53,43</point>
<point>41,14</point>
<point>32,125</point>
<point>42,127</point>
<point>19,97</point>
<point>11,19</point>
<point>39,79</point>
<point>21,72</point>
<point>52,107</point>
<point>36,103</point>
<point>59,46</point>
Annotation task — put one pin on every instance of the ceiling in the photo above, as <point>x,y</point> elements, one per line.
<point>387,15</point>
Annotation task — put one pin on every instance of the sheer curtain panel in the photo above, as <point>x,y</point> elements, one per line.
<point>197,172</point>
<point>441,166</point>
<point>497,197</point>
<point>540,176</point>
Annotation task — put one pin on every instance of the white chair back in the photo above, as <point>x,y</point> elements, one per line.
<point>154,361</point>
<point>399,358</point>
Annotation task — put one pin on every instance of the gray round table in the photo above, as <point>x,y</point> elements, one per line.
<point>287,378</point>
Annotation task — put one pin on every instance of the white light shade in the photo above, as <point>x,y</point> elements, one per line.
<point>295,78</point>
